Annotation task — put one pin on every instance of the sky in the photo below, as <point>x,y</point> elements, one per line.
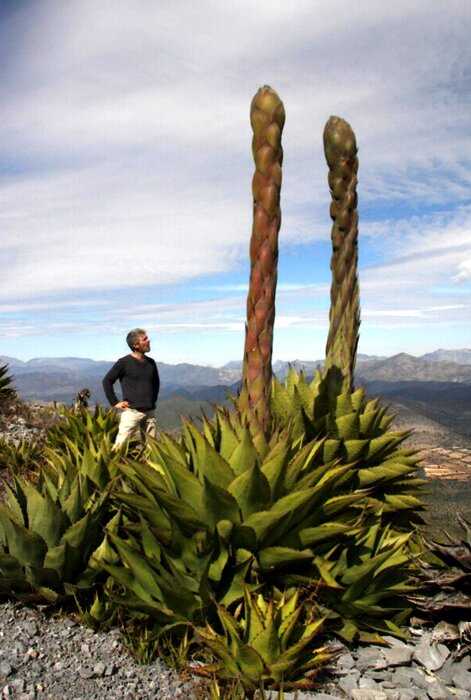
<point>126,168</point>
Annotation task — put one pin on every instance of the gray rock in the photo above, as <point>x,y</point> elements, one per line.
<point>369,657</point>
<point>445,632</point>
<point>349,682</point>
<point>99,669</point>
<point>368,694</point>
<point>366,682</point>
<point>5,669</point>
<point>19,685</point>
<point>407,694</point>
<point>69,622</point>
<point>437,691</point>
<point>382,675</point>
<point>399,655</point>
<point>86,672</point>
<point>459,693</point>
<point>394,641</point>
<point>431,656</point>
<point>465,662</point>
<point>407,677</point>
<point>345,661</point>
<point>462,679</point>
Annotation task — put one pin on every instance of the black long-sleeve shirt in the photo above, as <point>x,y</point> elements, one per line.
<point>139,381</point>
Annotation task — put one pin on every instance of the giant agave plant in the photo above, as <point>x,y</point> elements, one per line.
<point>49,530</point>
<point>325,490</point>
<point>210,514</point>
<point>47,535</point>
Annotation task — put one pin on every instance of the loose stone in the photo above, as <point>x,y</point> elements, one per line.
<point>99,668</point>
<point>437,691</point>
<point>368,694</point>
<point>398,655</point>
<point>431,656</point>
<point>5,669</point>
<point>462,679</point>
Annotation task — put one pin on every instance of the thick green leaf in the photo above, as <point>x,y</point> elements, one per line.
<point>189,488</point>
<point>324,532</point>
<point>210,464</point>
<point>44,517</point>
<point>383,472</point>
<point>348,426</point>
<point>245,455</point>
<point>139,567</point>
<point>274,465</point>
<point>331,448</point>
<point>263,522</point>
<point>27,547</point>
<point>251,491</point>
<point>279,557</point>
<point>354,449</point>
<point>218,504</point>
<point>73,505</point>
<point>229,440</point>
<point>325,570</point>
<point>182,512</point>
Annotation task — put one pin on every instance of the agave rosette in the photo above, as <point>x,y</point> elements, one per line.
<point>356,431</point>
<point>269,642</point>
<point>47,535</point>
<point>83,429</point>
<point>218,510</point>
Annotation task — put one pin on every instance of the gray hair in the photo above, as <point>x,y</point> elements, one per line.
<point>133,335</point>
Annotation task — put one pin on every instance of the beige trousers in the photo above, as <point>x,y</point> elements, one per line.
<point>133,420</point>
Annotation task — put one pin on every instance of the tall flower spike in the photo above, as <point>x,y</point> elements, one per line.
<point>267,116</point>
<point>341,154</point>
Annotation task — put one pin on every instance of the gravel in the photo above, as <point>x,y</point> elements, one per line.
<point>58,659</point>
<point>55,658</point>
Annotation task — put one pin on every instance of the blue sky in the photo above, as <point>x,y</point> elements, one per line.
<point>125,172</point>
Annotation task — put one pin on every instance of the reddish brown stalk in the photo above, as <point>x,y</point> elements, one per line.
<point>267,116</point>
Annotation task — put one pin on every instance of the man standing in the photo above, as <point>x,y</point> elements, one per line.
<point>140,383</point>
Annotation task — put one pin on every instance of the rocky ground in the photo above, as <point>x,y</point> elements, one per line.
<point>55,657</point>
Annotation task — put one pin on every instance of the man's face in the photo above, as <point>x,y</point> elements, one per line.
<point>142,344</point>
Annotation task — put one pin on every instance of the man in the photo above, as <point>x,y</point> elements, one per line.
<point>140,383</point>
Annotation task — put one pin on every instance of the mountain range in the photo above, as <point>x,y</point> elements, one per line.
<point>436,386</point>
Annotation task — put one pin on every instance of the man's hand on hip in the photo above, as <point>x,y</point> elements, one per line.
<point>121,404</point>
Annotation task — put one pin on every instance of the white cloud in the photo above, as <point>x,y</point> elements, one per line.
<point>135,118</point>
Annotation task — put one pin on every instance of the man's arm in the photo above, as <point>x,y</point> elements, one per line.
<point>156,384</point>
<point>115,373</point>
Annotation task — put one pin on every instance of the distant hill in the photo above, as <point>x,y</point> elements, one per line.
<point>404,367</point>
<point>434,388</point>
<point>461,357</point>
